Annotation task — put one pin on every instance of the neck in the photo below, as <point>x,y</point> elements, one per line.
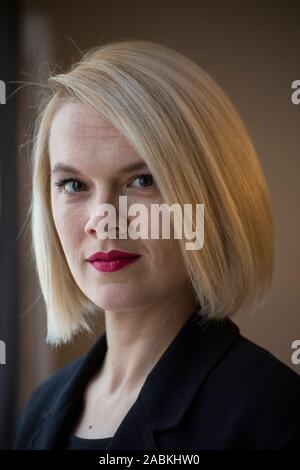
<point>137,339</point>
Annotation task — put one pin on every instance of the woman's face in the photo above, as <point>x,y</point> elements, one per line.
<point>99,155</point>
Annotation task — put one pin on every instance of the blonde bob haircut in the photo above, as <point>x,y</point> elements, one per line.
<point>196,146</point>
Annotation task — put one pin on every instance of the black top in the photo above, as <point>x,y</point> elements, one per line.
<point>78,443</point>
<point>211,389</point>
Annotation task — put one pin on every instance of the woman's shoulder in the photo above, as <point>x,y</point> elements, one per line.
<point>257,361</point>
<point>42,398</point>
<point>244,363</point>
<point>55,382</point>
<point>255,394</point>
<point>259,378</point>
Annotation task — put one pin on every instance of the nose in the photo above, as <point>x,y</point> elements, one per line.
<point>91,225</point>
<point>106,214</point>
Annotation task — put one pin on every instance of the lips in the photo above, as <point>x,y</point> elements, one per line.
<point>112,255</point>
<point>112,261</point>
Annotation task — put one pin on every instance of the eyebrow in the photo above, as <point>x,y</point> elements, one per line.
<point>71,169</point>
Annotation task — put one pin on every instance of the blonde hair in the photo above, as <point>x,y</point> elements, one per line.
<point>197,148</point>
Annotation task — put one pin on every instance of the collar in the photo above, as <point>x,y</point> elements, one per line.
<point>165,395</point>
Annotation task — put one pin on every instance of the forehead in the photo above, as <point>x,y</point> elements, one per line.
<point>78,132</point>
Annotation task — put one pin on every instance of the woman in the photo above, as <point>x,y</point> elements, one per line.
<point>171,370</point>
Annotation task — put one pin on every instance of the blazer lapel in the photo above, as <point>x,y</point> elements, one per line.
<point>170,387</point>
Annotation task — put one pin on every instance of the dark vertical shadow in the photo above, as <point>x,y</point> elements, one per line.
<point>9,26</point>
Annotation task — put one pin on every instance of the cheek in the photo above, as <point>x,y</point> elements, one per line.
<point>68,227</point>
<point>168,272</point>
<point>166,258</point>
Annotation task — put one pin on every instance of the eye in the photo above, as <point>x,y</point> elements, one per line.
<point>70,185</point>
<point>145,180</point>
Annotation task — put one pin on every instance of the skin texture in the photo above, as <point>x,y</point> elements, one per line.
<point>145,303</point>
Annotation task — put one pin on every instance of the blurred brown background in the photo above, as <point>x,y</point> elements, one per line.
<point>252,50</point>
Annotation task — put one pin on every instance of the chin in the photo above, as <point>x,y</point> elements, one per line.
<point>122,307</point>
<point>112,299</point>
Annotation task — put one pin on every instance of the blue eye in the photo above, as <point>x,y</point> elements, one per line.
<point>71,185</point>
<point>147,180</point>
<point>69,182</point>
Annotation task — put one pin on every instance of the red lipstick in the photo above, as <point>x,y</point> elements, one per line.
<point>112,261</point>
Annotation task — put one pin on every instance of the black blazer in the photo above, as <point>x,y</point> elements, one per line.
<point>211,389</point>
